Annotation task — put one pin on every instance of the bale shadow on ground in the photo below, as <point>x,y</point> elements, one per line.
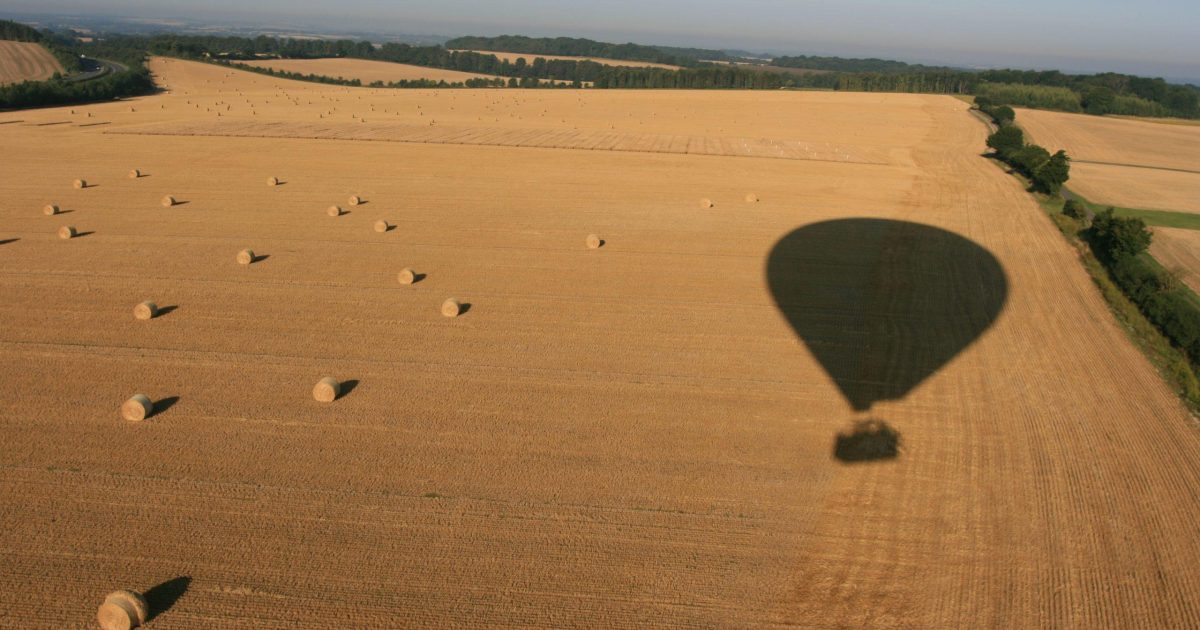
<point>161,597</point>
<point>166,310</point>
<point>347,387</point>
<point>6,241</point>
<point>162,405</point>
<point>259,258</point>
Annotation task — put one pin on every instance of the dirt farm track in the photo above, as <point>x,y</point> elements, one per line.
<point>647,434</point>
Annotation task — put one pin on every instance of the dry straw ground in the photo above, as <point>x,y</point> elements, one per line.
<point>513,57</point>
<point>632,439</point>
<point>1179,251</point>
<point>25,61</point>
<point>1122,162</point>
<point>365,70</point>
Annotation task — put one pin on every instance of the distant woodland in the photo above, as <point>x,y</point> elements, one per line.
<point>1107,93</point>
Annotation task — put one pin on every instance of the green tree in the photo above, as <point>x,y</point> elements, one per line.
<point>1098,100</point>
<point>1116,237</point>
<point>1007,140</point>
<point>1053,173</point>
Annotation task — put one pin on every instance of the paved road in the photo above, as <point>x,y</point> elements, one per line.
<point>95,68</point>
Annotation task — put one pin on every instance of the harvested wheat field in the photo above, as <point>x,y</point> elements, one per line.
<point>660,432</point>
<point>26,61</point>
<point>529,57</point>
<point>1123,162</point>
<point>1178,251</point>
<point>365,70</point>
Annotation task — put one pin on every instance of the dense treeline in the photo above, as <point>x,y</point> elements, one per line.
<point>578,47</point>
<point>1121,244</point>
<point>842,64</point>
<point>17,32</point>
<point>1106,93</point>
<point>132,82</point>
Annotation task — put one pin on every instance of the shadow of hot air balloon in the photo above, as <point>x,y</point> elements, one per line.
<point>882,305</point>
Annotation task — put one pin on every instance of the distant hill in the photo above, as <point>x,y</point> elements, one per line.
<point>578,47</point>
<point>839,64</point>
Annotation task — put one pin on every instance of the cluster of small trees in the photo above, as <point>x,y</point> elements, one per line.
<point>1046,172</point>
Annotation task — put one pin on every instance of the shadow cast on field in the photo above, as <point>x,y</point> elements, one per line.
<point>161,597</point>
<point>417,277</point>
<point>162,405</point>
<point>6,241</point>
<point>259,258</point>
<point>83,234</point>
<point>180,202</point>
<point>869,440</point>
<point>464,308</point>
<point>347,387</point>
<point>884,304</point>
<point>64,212</point>
<point>165,310</point>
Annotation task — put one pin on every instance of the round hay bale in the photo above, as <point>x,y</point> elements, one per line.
<point>123,610</point>
<point>382,226</point>
<point>272,181</point>
<point>593,241</point>
<point>134,174</point>
<point>168,201</point>
<point>355,200</point>
<point>80,183</point>
<point>245,257</point>
<point>334,211</point>
<point>50,209</point>
<point>451,308</point>
<point>706,203</point>
<point>66,232</point>
<point>751,198</point>
<point>327,390</point>
<point>137,408</point>
<point>145,310</point>
<point>406,276</point>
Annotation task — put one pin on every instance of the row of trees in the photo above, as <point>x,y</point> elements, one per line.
<point>1121,244</point>
<point>403,83</point>
<point>842,64</point>
<point>133,82</point>
<point>578,47</point>
<point>1046,172</point>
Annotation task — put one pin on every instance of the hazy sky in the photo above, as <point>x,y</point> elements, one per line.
<point>1159,37</point>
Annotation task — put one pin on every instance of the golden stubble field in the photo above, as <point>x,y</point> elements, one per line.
<point>365,70</point>
<point>625,437</point>
<point>25,61</point>
<point>1179,251</point>
<point>513,57</point>
<point>1123,162</point>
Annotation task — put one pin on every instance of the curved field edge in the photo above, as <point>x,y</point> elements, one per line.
<point>26,61</point>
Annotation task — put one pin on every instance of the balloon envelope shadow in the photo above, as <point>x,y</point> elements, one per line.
<point>883,304</point>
